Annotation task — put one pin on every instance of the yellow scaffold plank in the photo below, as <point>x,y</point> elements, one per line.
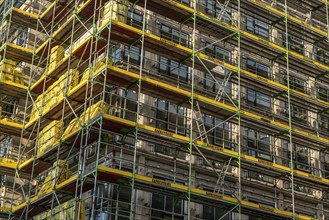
<point>185,139</point>
<point>219,62</point>
<point>26,13</point>
<point>234,109</point>
<point>49,8</point>
<point>249,35</point>
<point>8,126</point>
<point>4,209</point>
<point>7,163</point>
<point>293,19</point>
<point>195,191</point>
<point>13,84</point>
<point>59,187</point>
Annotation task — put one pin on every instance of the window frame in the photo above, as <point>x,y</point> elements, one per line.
<point>258,98</point>
<point>167,112</point>
<point>256,67</point>
<point>255,142</point>
<point>258,27</point>
<point>182,70</point>
<point>169,35</point>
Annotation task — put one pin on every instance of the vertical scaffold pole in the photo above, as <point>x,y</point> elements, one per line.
<point>239,109</point>
<point>192,110</point>
<point>133,193</point>
<point>290,146</point>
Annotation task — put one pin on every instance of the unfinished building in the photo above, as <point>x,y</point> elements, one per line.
<point>164,109</point>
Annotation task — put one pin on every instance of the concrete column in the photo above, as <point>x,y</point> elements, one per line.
<point>308,47</point>
<point>276,76</point>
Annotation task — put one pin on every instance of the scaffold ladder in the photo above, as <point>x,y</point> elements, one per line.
<point>200,123</point>
<point>221,177</point>
<point>223,85</point>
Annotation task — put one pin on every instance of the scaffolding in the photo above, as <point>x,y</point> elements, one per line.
<point>164,109</point>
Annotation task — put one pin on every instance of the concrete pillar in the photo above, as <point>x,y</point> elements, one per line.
<point>276,76</point>
<point>308,47</point>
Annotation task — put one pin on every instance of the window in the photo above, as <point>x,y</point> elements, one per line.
<point>211,213</point>
<point>300,188</point>
<point>257,27</point>
<point>259,144</point>
<point>221,134</point>
<point>323,122</point>
<point>169,151</point>
<point>323,94</point>
<point>130,105</point>
<point>174,35</point>
<point>166,207</point>
<point>258,99</point>
<point>210,84</point>
<point>258,68</point>
<point>132,54</point>
<point>217,52</point>
<point>261,177</point>
<point>325,166</point>
<point>171,117</point>
<point>214,9</point>
<point>301,157</point>
<point>185,2</point>
<point>135,18</point>
<point>294,43</point>
<point>298,114</point>
<point>173,68</point>
<point>322,55</point>
<point>124,201</point>
<point>295,82</point>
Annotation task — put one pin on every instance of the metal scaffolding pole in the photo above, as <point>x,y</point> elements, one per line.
<point>133,200</point>
<point>239,110</point>
<point>190,150</point>
<point>289,110</point>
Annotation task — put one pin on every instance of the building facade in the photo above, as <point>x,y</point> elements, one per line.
<point>164,109</point>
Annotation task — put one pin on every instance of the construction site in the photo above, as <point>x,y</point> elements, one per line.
<point>164,109</point>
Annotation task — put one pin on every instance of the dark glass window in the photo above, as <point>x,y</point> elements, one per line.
<point>166,207</point>
<point>129,105</point>
<point>258,68</point>
<point>298,114</point>
<point>169,151</point>
<point>257,27</point>
<point>214,8</point>
<point>258,99</point>
<point>171,117</point>
<point>322,55</point>
<point>217,52</point>
<point>323,94</point>
<point>295,44</point>
<point>185,2</point>
<point>211,213</point>
<point>219,135</point>
<point>301,157</point>
<point>135,18</point>
<point>174,35</point>
<point>212,86</point>
<point>133,54</point>
<point>323,122</point>
<point>325,166</point>
<point>173,68</point>
<point>295,82</point>
<point>260,176</point>
<point>124,204</point>
<point>259,144</point>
